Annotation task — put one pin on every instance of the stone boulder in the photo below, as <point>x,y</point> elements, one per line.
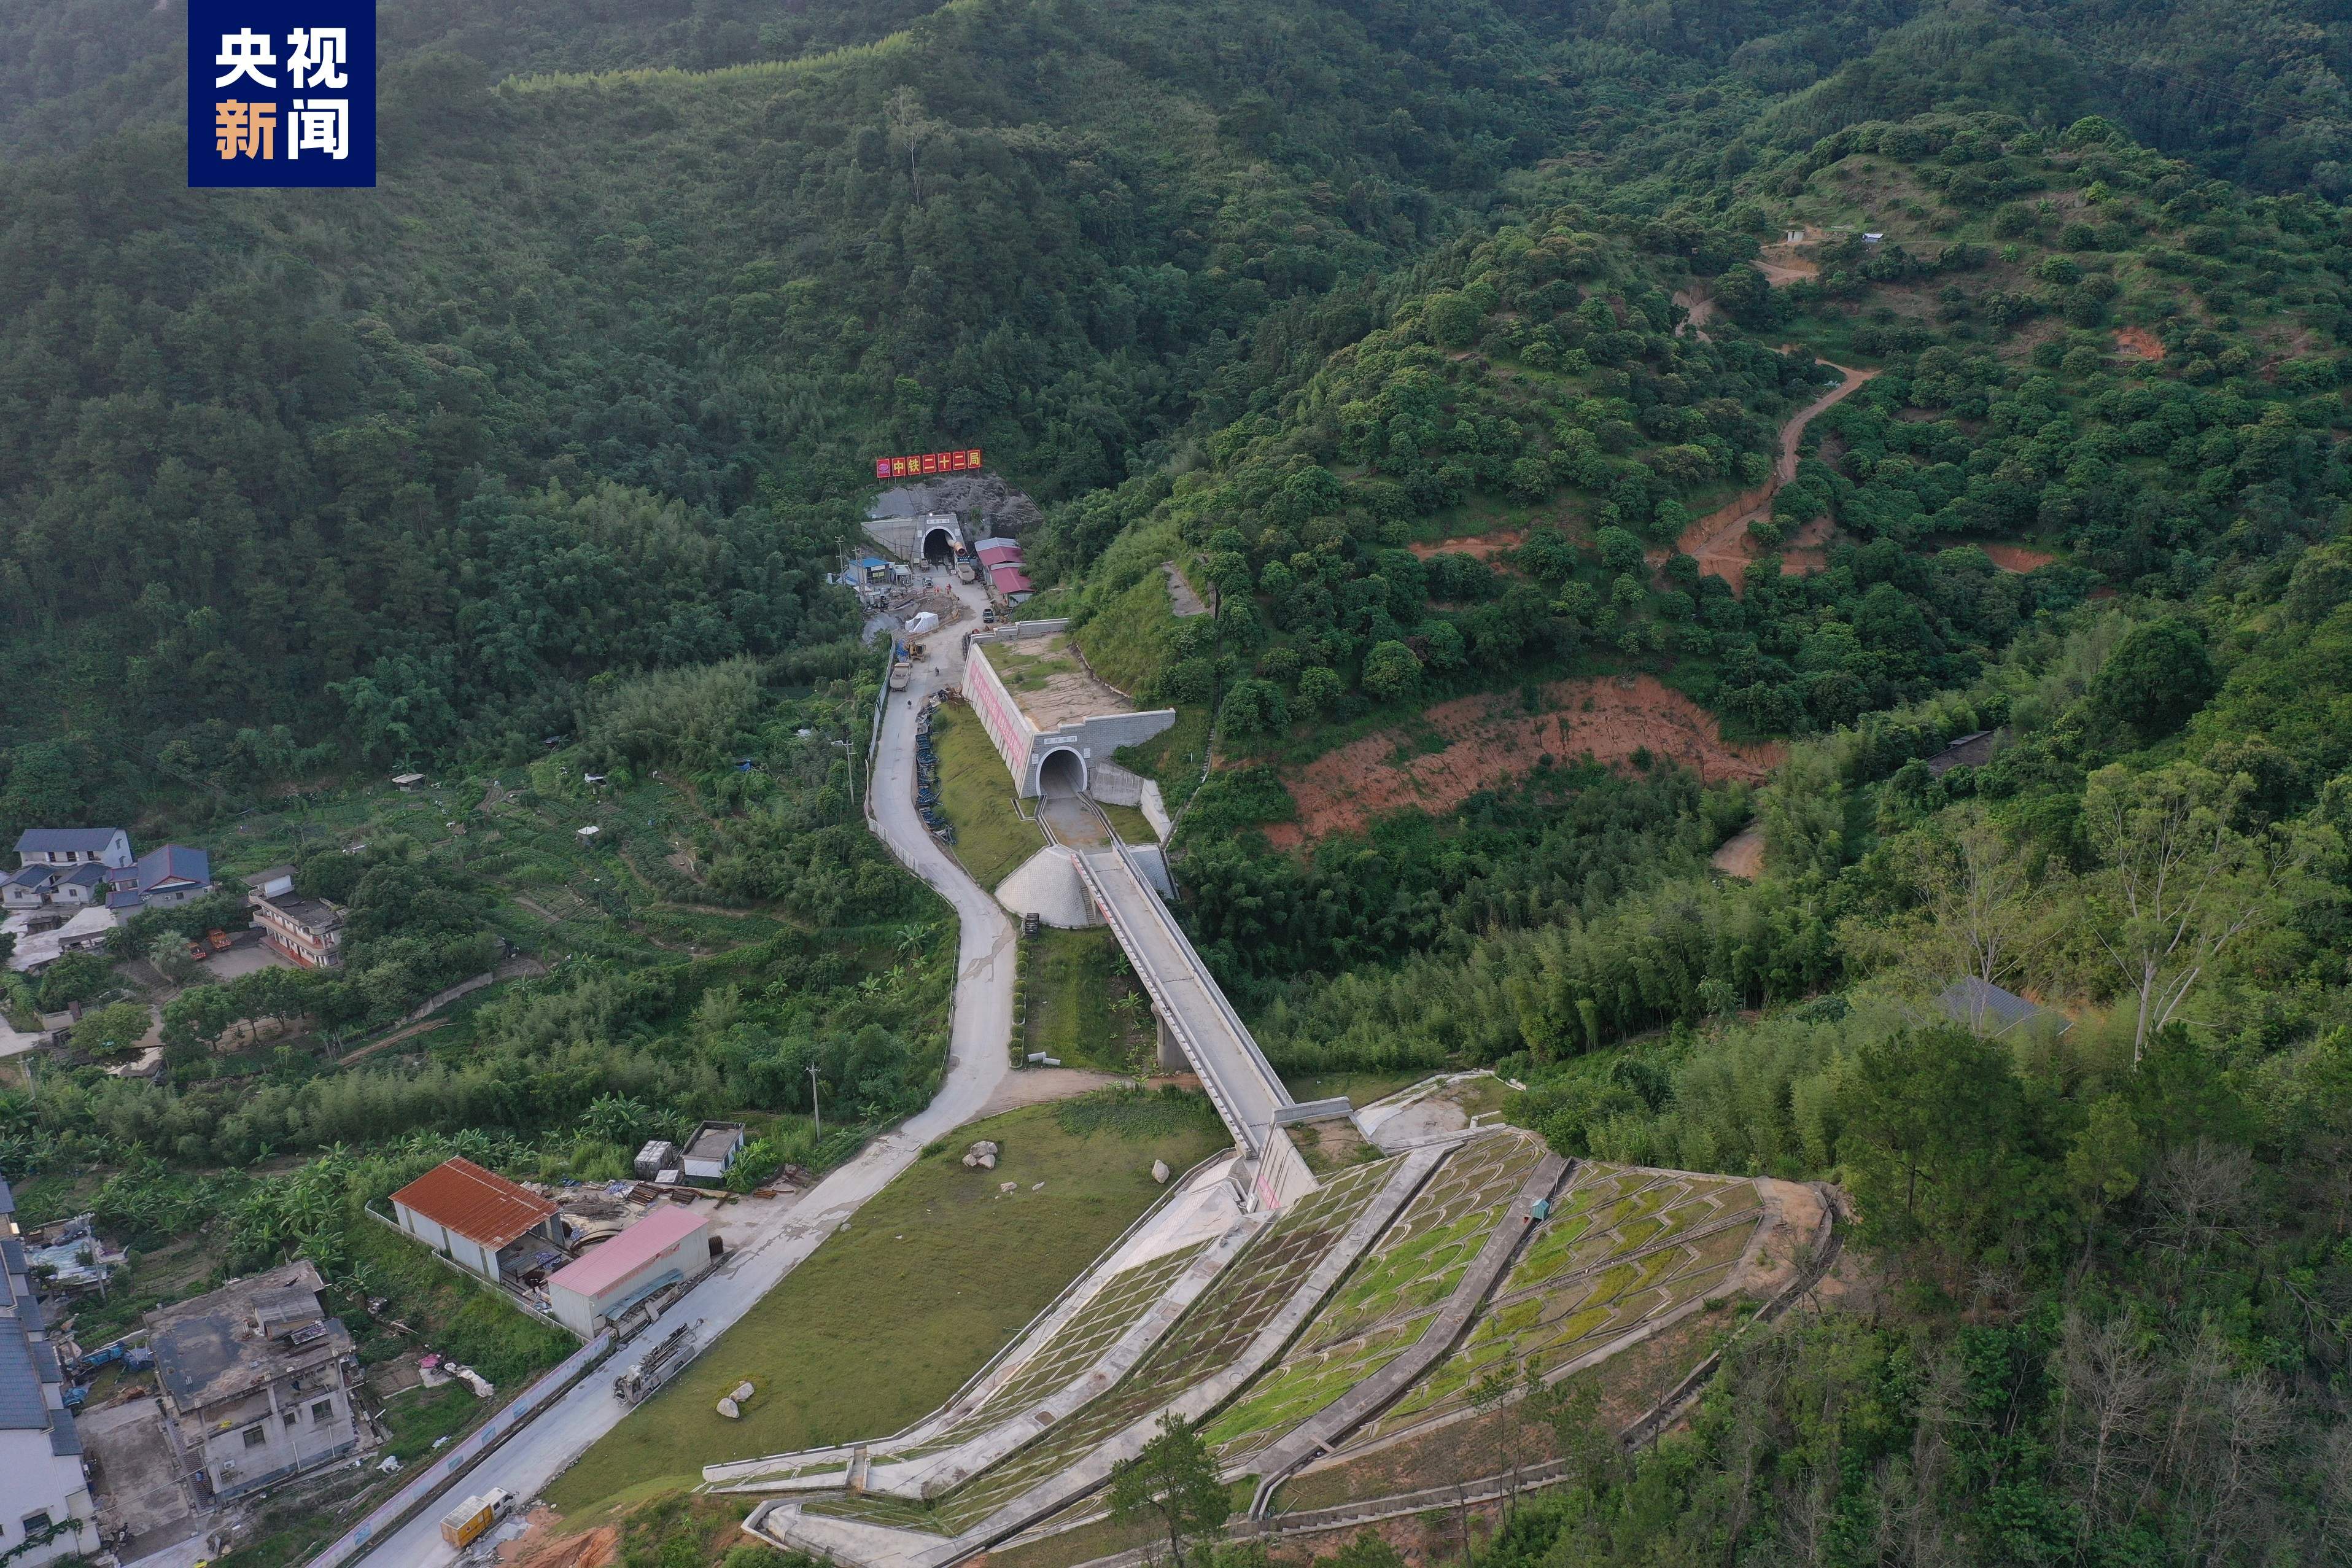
<point>1159,1172</point>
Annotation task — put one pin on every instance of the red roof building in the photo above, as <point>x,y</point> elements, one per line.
<point>473,1217</point>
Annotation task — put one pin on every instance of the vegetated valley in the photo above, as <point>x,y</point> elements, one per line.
<point>1727,534</point>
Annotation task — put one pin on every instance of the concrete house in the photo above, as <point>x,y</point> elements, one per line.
<point>161,877</point>
<point>258,1381</point>
<point>308,931</point>
<point>77,867</point>
<point>46,1510</point>
<point>670,1246</point>
<point>712,1150</point>
<point>478,1220</point>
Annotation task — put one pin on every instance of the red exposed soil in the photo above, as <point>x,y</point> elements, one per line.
<point>1742,854</point>
<point>1491,739</point>
<point>2016,557</point>
<point>1481,546</point>
<point>1720,541</point>
<point>543,1547</point>
<point>2138,342</point>
<point>1807,549</point>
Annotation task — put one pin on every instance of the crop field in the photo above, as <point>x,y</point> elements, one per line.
<point>1625,1247</point>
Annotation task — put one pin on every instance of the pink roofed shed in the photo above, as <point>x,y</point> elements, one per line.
<point>670,1246</point>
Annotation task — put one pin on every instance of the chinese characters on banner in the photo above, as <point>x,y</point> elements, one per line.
<point>281,92</point>
<point>955,462</point>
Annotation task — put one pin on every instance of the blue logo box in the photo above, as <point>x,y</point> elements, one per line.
<point>281,92</point>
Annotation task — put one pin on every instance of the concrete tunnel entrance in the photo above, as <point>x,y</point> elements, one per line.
<point>1063,771</point>
<point>938,545</point>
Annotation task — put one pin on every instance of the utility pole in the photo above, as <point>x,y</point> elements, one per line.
<point>813,1106</point>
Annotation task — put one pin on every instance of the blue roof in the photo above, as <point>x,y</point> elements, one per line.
<point>33,877</point>
<point>59,840</point>
<point>22,1407</point>
<point>1966,1000</point>
<point>124,898</point>
<point>89,874</point>
<point>173,862</point>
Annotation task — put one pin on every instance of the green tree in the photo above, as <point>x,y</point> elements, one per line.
<point>2155,678</point>
<point>112,1030</point>
<point>1453,320</point>
<point>2181,887</point>
<point>1173,1485</point>
<point>1390,670</point>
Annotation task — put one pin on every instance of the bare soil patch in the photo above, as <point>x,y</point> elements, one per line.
<point>544,1545</point>
<point>1742,854</point>
<point>1785,264</point>
<point>1807,549</point>
<point>1491,739</point>
<point>2017,557</point>
<point>2138,342</point>
<point>1482,545</point>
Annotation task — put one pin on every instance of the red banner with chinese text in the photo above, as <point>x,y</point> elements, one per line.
<point>962,461</point>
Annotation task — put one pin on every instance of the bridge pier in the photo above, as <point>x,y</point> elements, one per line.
<point>1171,1052</point>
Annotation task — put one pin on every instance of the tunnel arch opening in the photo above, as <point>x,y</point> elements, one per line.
<point>1063,771</point>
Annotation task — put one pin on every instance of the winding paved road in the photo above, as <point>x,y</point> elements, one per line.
<point>977,1063</point>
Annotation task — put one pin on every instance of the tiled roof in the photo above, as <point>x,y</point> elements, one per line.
<point>1001,554</point>
<point>1009,580</point>
<point>59,840</point>
<point>173,862</point>
<point>479,1205</point>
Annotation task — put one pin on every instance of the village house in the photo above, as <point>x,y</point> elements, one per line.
<point>46,1509</point>
<point>258,1383</point>
<point>308,931</point>
<point>69,869</point>
<point>479,1220</point>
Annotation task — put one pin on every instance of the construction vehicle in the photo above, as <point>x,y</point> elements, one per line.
<point>218,938</point>
<point>657,1365</point>
<point>199,952</point>
<point>901,670</point>
<point>917,651</point>
<point>968,570</point>
<point>463,1524</point>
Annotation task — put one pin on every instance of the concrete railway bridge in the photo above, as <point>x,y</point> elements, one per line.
<point>1055,724</point>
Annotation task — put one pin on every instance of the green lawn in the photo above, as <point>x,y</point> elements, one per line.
<point>1073,979</point>
<point>887,1319</point>
<point>1129,823</point>
<point>993,838</point>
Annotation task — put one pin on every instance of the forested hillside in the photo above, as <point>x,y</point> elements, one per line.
<point>1620,447</point>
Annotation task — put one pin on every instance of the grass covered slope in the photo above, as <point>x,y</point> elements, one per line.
<point>892,1315</point>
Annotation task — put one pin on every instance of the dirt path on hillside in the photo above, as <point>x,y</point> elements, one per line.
<point>1783,264</point>
<point>1702,311</point>
<point>1490,741</point>
<point>1720,542</point>
<point>1482,545</point>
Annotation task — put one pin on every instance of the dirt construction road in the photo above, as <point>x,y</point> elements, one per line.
<point>976,1066</point>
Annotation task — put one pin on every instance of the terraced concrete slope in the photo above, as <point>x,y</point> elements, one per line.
<point>1359,1314</point>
